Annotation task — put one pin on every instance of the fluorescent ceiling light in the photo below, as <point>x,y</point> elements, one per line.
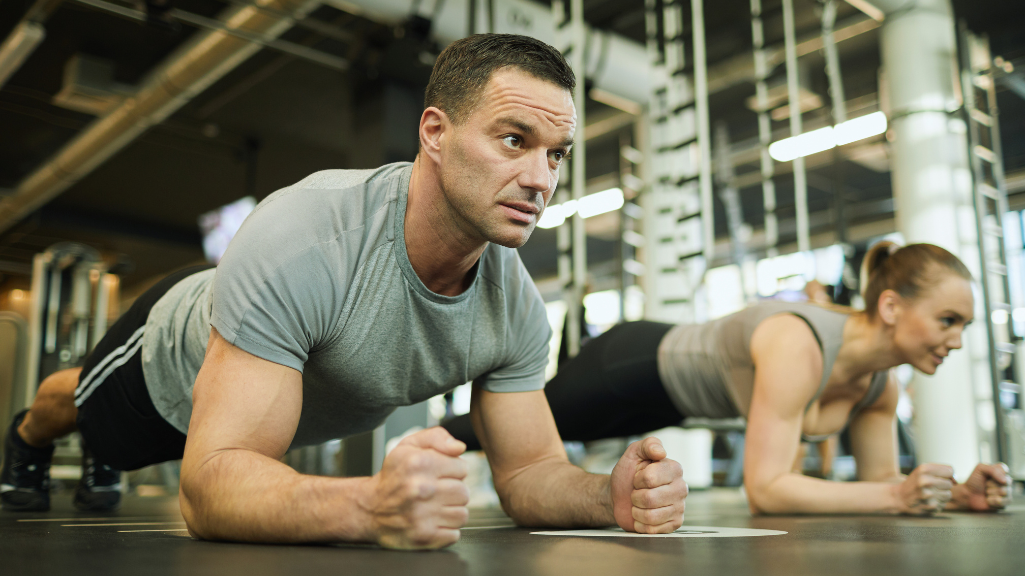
<point>555,214</point>
<point>590,205</point>
<point>859,128</point>
<point>829,137</point>
<point>600,202</point>
<point>802,145</point>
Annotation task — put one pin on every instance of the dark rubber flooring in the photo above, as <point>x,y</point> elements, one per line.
<point>146,537</point>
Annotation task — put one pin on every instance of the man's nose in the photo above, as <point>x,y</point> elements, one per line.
<point>535,174</point>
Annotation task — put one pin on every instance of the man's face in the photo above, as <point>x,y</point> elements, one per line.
<point>499,168</point>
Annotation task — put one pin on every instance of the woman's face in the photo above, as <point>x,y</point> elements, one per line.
<point>930,326</point>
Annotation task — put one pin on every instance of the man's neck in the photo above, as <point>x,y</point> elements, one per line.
<point>867,348</point>
<point>440,251</point>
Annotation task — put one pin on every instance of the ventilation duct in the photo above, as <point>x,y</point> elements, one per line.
<point>197,64</point>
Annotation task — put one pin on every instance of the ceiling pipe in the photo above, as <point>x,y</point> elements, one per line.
<point>615,65</point>
<point>25,38</point>
<point>199,62</point>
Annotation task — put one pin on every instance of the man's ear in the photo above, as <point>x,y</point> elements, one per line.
<point>434,123</point>
<point>889,306</point>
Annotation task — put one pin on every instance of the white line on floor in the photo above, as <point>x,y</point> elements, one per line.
<point>164,530</point>
<point>81,519</point>
<point>122,524</point>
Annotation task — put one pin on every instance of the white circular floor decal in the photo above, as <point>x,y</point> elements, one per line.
<point>685,532</point>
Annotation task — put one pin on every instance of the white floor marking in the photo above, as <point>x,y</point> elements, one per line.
<point>685,532</point>
<point>121,524</point>
<point>83,519</point>
<point>163,530</point>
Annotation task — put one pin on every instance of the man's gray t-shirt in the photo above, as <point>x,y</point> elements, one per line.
<point>318,279</point>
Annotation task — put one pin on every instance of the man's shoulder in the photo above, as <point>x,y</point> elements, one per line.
<point>347,179</point>
<point>327,203</point>
<point>372,187</point>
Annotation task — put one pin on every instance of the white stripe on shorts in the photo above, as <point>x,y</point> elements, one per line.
<point>113,361</point>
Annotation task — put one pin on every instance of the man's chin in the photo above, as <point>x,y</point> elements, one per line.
<point>512,240</point>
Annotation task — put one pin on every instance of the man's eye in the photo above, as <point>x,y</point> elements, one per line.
<point>558,157</point>
<point>513,142</point>
<point>947,322</point>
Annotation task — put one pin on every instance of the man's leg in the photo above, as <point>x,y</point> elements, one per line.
<point>28,448</point>
<point>53,411</point>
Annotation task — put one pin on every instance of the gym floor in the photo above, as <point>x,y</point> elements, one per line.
<point>147,536</point>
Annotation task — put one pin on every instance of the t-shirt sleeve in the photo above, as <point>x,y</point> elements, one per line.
<point>529,337</point>
<point>271,297</point>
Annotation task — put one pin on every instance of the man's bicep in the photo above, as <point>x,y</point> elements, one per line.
<point>516,429</point>
<point>241,401</point>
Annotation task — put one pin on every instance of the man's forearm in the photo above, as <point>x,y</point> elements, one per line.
<point>556,493</point>
<point>244,496</point>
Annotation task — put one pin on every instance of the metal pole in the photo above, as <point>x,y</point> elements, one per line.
<point>102,309</point>
<point>704,131</point>
<point>793,95</point>
<point>764,129</point>
<point>40,275</point>
<point>579,182</point>
<point>836,91</point>
<point>839,105</point>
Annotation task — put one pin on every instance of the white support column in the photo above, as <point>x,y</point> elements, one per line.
<point>932,189</point>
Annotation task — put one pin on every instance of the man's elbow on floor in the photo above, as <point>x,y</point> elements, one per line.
<point>517,510</point>
<point>191,515</point>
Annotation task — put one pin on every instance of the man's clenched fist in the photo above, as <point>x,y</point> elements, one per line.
<point>648,490</point>
<point>418,499</point>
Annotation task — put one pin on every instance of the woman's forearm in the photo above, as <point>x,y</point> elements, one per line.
<point>798,494</point>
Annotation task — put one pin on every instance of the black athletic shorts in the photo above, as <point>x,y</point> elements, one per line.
<point>116,417</point>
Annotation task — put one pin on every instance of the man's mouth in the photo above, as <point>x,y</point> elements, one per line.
<point>522,207</point>
<point>522,212</point>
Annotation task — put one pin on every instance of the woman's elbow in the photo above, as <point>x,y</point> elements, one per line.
<point>759,502</point>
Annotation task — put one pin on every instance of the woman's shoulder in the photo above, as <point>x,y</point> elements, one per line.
<point>784,334</point>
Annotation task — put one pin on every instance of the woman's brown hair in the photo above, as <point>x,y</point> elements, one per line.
<point>907,270</point>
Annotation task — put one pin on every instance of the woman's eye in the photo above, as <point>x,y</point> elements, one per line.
<point>512,141</point>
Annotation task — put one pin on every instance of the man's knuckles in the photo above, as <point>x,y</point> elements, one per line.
<point>664,528</point>
<point>655,516</point>
<point>646,498</point>
<point>657,474</point>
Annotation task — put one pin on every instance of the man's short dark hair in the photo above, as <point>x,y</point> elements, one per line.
<point>464,68</point>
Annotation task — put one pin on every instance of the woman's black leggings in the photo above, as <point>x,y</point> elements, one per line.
<point>611,389</point>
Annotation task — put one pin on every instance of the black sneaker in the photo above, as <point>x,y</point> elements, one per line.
<point>25,476</point>
<point>99,489</point>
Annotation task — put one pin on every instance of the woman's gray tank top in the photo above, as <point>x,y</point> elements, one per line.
<point>707,368</point>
